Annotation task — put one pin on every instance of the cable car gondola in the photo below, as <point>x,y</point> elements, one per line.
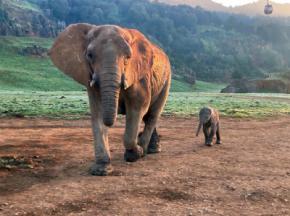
<point>268,8</point>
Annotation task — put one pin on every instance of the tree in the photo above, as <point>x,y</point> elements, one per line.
<point>60,8</point>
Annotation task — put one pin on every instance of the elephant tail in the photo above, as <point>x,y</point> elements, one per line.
<point>198,129</point>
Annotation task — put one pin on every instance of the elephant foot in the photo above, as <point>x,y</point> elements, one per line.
<point>156,149</point>
<point>218,142</point>
<point>209,144</point>
<point>101,169</point>
<point>132,155</point>
<point>154,143</point>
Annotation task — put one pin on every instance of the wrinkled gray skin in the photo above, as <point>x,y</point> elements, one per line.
<point>209,121</point>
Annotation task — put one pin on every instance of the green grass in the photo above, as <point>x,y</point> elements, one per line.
<point>69,104</point>
<point>208,87</point>
<point>179,86</point>
<point>24,5</point>
<point>232,105</point>
<point>44,104</point>
<point>200,86</point>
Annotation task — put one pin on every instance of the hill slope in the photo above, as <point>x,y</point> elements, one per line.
<point>29,72</point>
<point>252,9</point>
<point>22,18</point>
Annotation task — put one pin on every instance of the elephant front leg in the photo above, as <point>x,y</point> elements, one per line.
<point>211,135</point>
<point>206,134</point>
<point>102,165</point>
<point>133,151</point>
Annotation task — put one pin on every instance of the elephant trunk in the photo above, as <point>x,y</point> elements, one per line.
<point>110,90</point>
<point>198,129</point>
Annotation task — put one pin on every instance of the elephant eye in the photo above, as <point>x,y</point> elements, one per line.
<point>90,56</point>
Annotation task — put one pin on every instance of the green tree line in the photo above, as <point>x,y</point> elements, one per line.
<point>212,46</point>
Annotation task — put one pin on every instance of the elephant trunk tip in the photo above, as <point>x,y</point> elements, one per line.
<point>109,122</point>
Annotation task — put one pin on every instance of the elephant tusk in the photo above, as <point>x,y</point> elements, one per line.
<point>92,83</point>
<point>124,83</point>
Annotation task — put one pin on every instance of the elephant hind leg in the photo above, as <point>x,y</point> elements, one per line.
<point>149,138</point>
<point>154,143</point>
<point>218,136</point>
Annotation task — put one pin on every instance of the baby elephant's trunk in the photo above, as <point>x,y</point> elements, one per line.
<point>198,129</point>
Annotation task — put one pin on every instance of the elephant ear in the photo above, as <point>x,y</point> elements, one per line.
<point>139,56</point>
<point>68,52</point>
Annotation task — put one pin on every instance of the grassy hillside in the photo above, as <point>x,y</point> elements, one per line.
<point>25,5</point>
<point>18,72</point>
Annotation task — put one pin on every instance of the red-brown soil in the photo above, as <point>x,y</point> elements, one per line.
<point>249,174</point>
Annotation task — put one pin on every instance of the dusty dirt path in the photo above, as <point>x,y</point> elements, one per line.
<point>248,175</point>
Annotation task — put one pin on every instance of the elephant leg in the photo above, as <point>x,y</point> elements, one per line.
<point>206,134</point>
<point>154,143</point>
<point>218,136</point>
<point>149,143</point>
<point>133,151</point>
<point>102,165</point>
<point>149,139</point>
<point>211,135</point>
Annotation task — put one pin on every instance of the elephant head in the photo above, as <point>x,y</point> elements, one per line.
<point>96,57</point>
<point>204,116</point>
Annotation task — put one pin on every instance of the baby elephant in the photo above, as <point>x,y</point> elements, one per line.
<point>209,120</point>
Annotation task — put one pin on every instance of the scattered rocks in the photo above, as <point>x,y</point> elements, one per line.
<point>10,162</point>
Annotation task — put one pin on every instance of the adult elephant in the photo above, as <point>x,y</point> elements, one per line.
<point>123,73</point>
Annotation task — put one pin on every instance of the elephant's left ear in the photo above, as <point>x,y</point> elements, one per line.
<point>137,58</point>
<point>123,42</point>
<point>124,46</point>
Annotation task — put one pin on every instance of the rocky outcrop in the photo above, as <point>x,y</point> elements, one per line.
<point>34,51</point>
<point>256,86</point>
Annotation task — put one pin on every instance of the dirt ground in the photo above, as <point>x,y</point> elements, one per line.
<point>249,174</point>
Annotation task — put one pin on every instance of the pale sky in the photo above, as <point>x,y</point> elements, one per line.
<point>241,2</point>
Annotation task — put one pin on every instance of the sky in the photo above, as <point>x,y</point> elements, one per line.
<point>242,2</point>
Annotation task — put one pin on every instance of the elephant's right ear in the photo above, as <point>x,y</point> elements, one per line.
<point>68,52</point>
